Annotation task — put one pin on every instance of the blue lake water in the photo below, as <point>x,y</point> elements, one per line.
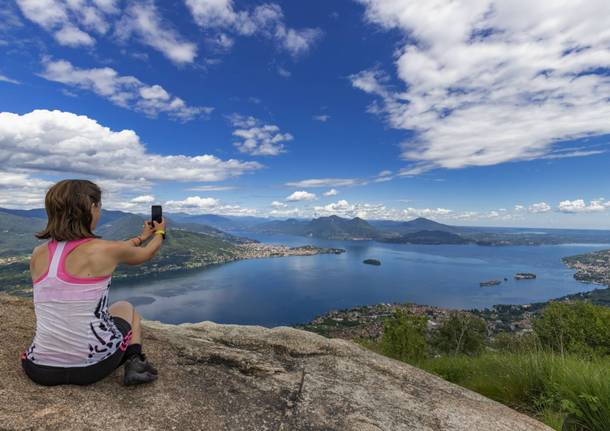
<point>288,290</point>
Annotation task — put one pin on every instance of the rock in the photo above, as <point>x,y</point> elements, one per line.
<point>233,377</point>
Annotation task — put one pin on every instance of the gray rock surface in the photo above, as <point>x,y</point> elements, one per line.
<point>232,377</point>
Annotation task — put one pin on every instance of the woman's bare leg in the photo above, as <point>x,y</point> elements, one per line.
<point>125,310</point>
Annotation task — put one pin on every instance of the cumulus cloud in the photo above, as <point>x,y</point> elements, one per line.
<point>377,211</point>
<point>301,196</point>
<point>278,204</point>
<point>143,20</point>
<point>125,91</point>
<point>144,199</point>
<point>580,206</point>
<point>540,207</point>
<point>486,82</point>
<point>62,142</point>
<point>203,205</point>
<point>258,139</point>
<point>266,20</point>
<point>18,189</point>
<point>331,192</point>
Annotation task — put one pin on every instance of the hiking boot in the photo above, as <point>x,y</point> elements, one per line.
<point>149,367</point>
<point>138,370</point>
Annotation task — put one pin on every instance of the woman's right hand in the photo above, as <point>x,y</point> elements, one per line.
<point>159,226</point>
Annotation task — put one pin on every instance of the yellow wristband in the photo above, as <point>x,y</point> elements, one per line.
<point>162,232</point>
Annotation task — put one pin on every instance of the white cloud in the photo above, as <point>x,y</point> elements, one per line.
<point>5,78</point>
<point>342,182</point>
<point>291,212</point>
<point>258,139</point>
<point>374,211</point>
<point>144,20</point>
<point>331,192</point>
<point>64,19</point>
<point>73,36</point>
<point>62,142</point>
<point>283,72</point>
<point>278,204</point>
<point>540,207</point>
<point>301,196</point>
<point>201,205</point>
<point>125,91</point>
<point>143,199</point>
<point>322,118</point>
<point>20,190</point>
<point>580,206</point>
<point>211,188</point>
<point>488,82</point>
<point>324,182</point>
<point>266,20</point>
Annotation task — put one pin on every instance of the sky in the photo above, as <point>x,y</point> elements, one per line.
<point>471,112</point>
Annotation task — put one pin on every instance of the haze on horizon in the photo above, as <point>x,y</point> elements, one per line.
<point>477,112</point>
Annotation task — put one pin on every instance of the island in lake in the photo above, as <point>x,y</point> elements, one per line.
<point>372,262</point>
<point>490,283</point>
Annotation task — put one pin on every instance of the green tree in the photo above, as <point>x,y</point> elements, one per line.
<point>404,337</point>
<point>581,328</point>
<point>460,333</point>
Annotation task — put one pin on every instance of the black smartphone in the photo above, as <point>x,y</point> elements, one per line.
<point>156,213</point>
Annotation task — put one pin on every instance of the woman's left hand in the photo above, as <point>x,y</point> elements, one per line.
<point>147,231</point>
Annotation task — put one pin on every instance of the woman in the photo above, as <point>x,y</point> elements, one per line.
<point>79,339</point>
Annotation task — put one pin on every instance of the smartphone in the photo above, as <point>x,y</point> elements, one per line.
<point>156,213</point>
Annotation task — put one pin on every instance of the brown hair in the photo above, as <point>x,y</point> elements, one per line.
<point>68,206</point>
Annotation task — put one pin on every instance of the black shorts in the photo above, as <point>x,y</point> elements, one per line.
<point>50,376</point>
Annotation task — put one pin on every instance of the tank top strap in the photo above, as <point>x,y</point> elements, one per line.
<point>56,248</point>
<point>60,252</point>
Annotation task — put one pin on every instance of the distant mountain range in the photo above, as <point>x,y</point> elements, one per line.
<point>19,227</point>
<point>418,231</point>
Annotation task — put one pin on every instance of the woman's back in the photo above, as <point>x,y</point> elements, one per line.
<point>73,327</point>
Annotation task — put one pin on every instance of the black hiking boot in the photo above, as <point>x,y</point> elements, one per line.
<point>138,370</point>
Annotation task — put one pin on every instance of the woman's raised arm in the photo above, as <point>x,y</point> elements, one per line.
<point>131,253</point>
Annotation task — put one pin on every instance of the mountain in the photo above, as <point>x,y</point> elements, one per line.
<point>287,227</point>
<point>211,231</point>
<point>433,237</point>
<point>334,227</point>
<point>216,221</point>
<point>424,224</point>
<point>33,213</point>
<point>17,232</point>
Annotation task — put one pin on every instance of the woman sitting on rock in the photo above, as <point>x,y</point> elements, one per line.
<point>79,339</point>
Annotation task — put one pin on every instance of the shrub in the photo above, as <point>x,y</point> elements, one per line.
<point>460,333</point>
<point>580,328</point>
<point>404,337</point>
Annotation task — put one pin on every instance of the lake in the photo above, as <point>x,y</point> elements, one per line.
<point>289,290</point>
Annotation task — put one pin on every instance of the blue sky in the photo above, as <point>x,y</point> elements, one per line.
<point>484,113</point>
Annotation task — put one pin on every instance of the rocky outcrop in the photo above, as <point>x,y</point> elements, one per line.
<point>231,377</point>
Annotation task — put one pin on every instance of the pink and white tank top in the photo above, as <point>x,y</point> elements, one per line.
<point>73,327</point>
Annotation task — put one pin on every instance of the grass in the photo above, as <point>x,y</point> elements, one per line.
<point>544,385</point>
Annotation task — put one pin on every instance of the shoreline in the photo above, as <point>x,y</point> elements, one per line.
<point>247,251</point>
